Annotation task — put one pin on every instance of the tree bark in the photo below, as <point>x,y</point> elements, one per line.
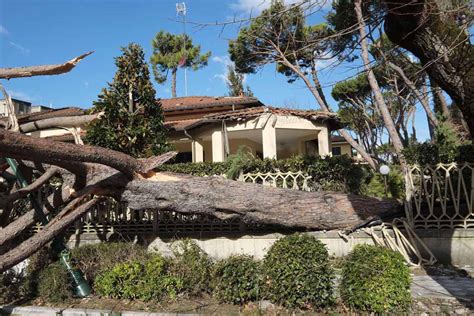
<point>8,73</point>
<point>67,121</point>
<point>19,146</point>
<point>173,82</point>
<point>441,45</point>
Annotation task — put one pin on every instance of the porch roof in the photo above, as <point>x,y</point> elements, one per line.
<point>199,102</point>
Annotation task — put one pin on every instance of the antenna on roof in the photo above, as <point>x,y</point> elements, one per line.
<point>181,11</point>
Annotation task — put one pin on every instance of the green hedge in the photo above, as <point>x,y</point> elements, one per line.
<point>428,153</point>
<point>191,265</point>
<point>337,173</point>
<point>236,279</point>
<point>96,258</point>
<point>139,280</point>
<point>54,284</point>
<point>297,273</point>
<point>375,279</point>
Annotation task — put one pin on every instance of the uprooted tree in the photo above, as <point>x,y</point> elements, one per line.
<point>91,173</point>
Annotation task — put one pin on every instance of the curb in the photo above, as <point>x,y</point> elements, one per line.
<point>48,311</point>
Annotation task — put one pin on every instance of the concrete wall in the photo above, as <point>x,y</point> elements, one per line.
<point>455,247</point>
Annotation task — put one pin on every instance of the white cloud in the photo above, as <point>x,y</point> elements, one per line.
<point>225,62</point>
<point>3,30</point>
<point>22,49</point>
<point>255,7</point>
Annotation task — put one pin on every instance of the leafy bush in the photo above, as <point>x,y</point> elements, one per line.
<point>297,273</point>
<point>96,258</point>
<point>395,184</point>
<point>191,265</point>
<point>139,280</point>
<point>54,284</point>
<point>236,279</point>
<point>336,173</point>
<point>375,279</point>
<point>10,286</point>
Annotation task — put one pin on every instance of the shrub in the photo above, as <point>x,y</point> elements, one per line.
<point>375,279</point>
<point>395,184</point>
<point>236,279</point>
<point>297,273</point>
<point>10,286</point>
<point>328,173</point>
<point>54,284</point>
<point>96,258</point>
<point>192,265</point>
<point>139,280</point>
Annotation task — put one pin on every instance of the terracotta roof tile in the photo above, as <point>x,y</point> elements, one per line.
<point>184,103</point>
<point>182,124</point>
<point>243,114</point>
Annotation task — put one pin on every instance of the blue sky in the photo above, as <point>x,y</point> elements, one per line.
<point>52,31</point>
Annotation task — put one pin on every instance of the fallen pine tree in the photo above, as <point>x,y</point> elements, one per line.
<point>90,174</point>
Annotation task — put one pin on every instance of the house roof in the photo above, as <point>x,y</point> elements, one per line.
<point>199,102</point>
<point>331,118</point>
<point>239,115</point>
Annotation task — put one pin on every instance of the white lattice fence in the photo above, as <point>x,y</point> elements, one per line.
<point>288,180</point>
<point>443,196</point>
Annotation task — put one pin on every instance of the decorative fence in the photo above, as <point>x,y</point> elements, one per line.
<point>443,196</point>
<point>291,180</point>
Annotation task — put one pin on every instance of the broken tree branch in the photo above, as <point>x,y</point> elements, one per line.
<point>67,121</point>
<point>30,71</point>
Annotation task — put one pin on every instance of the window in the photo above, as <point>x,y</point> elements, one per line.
<point>336,151</point>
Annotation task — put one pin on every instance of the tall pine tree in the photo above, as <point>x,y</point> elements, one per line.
<point>133,120</point>
<point>235,83</point>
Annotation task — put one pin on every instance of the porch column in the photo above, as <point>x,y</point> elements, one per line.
<point>269,141</point>
<point>323,142</point>
<point>217,146</point>
<point>198,151</point>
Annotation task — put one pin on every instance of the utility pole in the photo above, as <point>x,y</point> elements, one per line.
<point>181,11</point>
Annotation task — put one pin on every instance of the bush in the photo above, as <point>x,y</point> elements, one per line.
<point>97,258</point>
<point>191,265</point>
<point>236,279</point>
<point>54,284</point>
<point>375,279</point>
<point>395,184</point>
<point>337,173</point>
<point>139,280</point>
<point>297,273</point>
<point>10,286</point>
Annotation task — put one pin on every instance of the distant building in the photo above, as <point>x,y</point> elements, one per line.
<point>211,128</point>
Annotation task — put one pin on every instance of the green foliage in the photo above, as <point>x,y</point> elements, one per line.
<point>237,279</point>
<point>336,173</point>
<point>297,273</point>
<point>191,265</point>
<point>133,120</point>
<point>54,284</point>
<point>395,184</point>
<point>10,286</point>
<point>279,26</point>
<point>446,148</point>
<point>235,83</point>
<point>97,258</point>
<point>173,51</point>
<point>139,280</point>
<point>375,279</point>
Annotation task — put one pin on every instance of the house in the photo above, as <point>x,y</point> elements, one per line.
<point>212,128</point>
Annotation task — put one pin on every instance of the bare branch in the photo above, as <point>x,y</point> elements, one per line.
<point>67,121</point>
<point>30,71</point>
